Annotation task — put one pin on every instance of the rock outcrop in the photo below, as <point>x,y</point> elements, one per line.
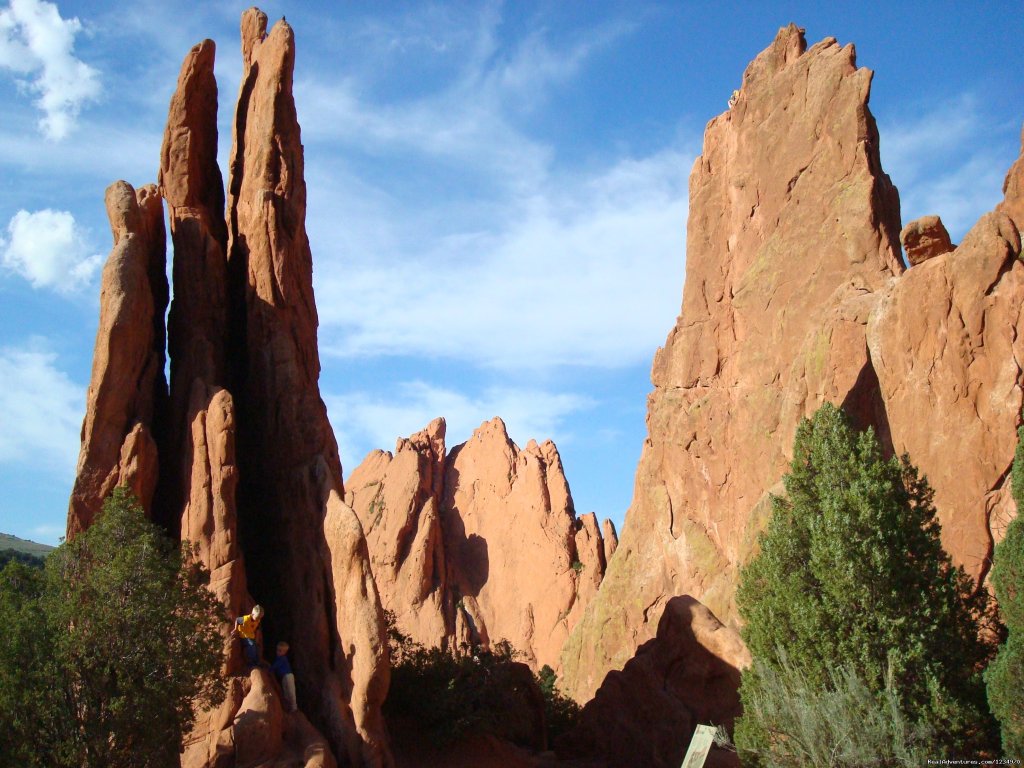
<point>792,222</point>
<point>240,446</point>
<point>645,714</point>
<point>199,486</point>
<point>127,388</point>
<point>288,457</point>
<point>946,343</point>
<point>478,545</point>
<point>925,238</point>
<point>611,540</point>
<point>795,295</point>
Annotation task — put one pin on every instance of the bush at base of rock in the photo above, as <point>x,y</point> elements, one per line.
<point>845,724</point>
<point>851,572</point>
<point>1003,676</point>
<point>561,714</point>
<point>107,654</point>
<point>451,696</point>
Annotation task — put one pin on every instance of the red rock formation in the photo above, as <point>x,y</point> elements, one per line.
<point>119,440</point>
<point>478,546</point>
<point>1013,190</point>
<point>611,540</point>
<point>254,730</point>
<point>925,238</point>
<point>247,462</point>
<point>946,343</point>
<point>397,498</point>
<point>791,223</point>
<point>201,482</point>
<point>288,457</point>
<point>645,715</point>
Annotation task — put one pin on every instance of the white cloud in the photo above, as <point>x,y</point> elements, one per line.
<point>470,115</point>
<point>364,421</point>
<point>37,43</point>
<point>585,271</point>
<point>946,161</point>
<point>40,409</point>
<point>49,250</point>
<point>476,242</point>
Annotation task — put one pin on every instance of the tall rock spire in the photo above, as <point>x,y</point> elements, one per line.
<point>247,463</point>
<point>792,224</point>
<point>127,389</point>
<point>321,599</point>
<point>199,484</point>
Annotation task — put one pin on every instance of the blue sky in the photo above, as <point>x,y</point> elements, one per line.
<point>497,197</point>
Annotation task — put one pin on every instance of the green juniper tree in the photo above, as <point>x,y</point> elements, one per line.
<point>852,580</point>
<point>106,654</point>
<point>1005,674</point>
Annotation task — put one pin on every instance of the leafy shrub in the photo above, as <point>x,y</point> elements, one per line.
<point>843,724</point>
<point>851,574</point>
<point>107,653</point>
<point>473,691</point>
<point>1004,675</point>
<point>560,712</point>
<point>13,555</point>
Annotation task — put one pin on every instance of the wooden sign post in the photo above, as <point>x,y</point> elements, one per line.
<point>700,746</point>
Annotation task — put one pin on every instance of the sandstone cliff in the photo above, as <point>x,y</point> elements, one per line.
<point>240,447</point>
<point>795,294</point>
<point>791,224</point>
<point>480,544</point>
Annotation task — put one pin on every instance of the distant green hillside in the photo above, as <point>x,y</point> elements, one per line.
<point>22,545</point>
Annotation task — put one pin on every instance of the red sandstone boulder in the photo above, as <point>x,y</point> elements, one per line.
<point>924,239</point>
<point>946,344</point>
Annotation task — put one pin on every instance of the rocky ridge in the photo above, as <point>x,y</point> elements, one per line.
<point>796,294</point>
<point>478,544</point>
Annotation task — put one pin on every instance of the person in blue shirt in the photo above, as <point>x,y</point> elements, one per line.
<point>283,669</point>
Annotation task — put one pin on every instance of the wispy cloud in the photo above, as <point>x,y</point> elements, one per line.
<point>49,250</point>
<point>948,160</point>
<point>477,241</point>
<point>582,272</point>
<point>365,421</point>
<point>37,45</point>
<point>40,409</point>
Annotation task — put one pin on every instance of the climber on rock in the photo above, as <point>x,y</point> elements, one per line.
<point>283,669</point>
<point>247,629</point>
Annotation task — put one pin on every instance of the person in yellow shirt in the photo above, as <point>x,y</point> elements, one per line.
<point>247,628</point>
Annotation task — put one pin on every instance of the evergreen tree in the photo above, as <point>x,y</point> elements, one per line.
<point>852,576</point>
<point>106,655</point>
<point>1005,675</point>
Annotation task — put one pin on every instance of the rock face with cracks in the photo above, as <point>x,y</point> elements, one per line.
<point>288,457</point>
<point>791,223</point>
<point>794,295</point>
<point>240,447</point>
<point>127,390</point>
<point>479,544</point>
